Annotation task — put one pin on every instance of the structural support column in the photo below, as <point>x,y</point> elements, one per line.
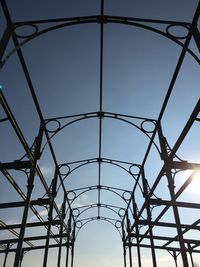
<point>168,163</point>
<point>61,230</point>
<point>196,35</point>
<point>190,253</point>
<point>67,253</point>
<point>129,240</point>
<point>148,209</point>
<point>4,42</point>
<point>175,258</point>
<point>52,197</point>
<point>5,259</point>
<point>6,255</point>
<point>124,245</point>
<point>135,214</point>
<point>68,240</point>
<point>73,243</point>
<point>21,258</point>
<point>30,186</point>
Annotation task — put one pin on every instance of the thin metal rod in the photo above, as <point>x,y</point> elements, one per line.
<point>68,240</point>
<point>190,253</point>
<point>196,35</point>
<point>61,231</point>
<point>50,214</point>
<point>161,248</point>
<point>124,254</point>
<point>173,196</point>
<point>148,209</point>
<point>28,198</point>
<point>21,259</point>
<point>124,245</point>
<point>67,255</point>
<point>175,258</point>
<point>100,102</point>
<point>5,40</point>
<point>129,240</point>
<point>137,231</point>
<point>72,249</point>
<point>5,258</point>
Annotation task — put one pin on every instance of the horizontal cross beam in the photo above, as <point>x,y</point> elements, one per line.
<point>177,203</point>
<point>31,238</point>
<point>16,165</point>
<point>162,248</point>
<point>34,224</point>
<point>165,238</point>
<point>166,224</point>
<point>37,247</point>
<point>41,201</point>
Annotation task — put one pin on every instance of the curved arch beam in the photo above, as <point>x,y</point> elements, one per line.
<point>85,208</point>
<point>106,19</point>
<point>96,161</point>
<point>95,188</point>
<point>105,115</point>
<point>88,220</point>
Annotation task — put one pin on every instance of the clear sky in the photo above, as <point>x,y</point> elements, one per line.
<point>64,66</point>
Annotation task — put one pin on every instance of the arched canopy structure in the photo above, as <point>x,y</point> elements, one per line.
<point>127,156</point>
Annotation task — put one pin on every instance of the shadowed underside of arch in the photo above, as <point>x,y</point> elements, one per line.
<point>134,172</point>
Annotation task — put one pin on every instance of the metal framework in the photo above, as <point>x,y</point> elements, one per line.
<point>140,228</point>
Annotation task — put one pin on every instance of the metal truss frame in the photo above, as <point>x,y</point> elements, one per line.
<point>130,219</point>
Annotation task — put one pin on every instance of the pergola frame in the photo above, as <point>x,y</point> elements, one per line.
<point>131,218</point>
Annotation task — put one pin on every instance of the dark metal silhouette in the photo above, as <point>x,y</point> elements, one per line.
<point>128,219</point>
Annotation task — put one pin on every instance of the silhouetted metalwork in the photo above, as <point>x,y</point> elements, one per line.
<point>136,225</point>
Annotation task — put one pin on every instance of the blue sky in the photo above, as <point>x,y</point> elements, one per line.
<point>64,66</point>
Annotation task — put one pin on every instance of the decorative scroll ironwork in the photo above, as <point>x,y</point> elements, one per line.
<point>136,219</point>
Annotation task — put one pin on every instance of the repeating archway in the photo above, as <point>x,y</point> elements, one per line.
<point>69,219</point>
<point>98,19</point>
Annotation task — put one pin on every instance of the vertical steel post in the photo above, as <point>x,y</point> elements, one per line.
<point>6,256</point>
<point>50,213</point>
<point>191,258</point>
<point>136,230</point>
<point>146,195</point>
<point>5,259</point>
<point>73,242</point>
<point>48,236</point>
<point>67,253</point>
<point>124,245</point>
<point>190,253</point>
<point>171,186</point>
<point>68,239</point>
<point>61,230</point>
<point>4,42</point>
<point>124,253</point>
<point>30,186</point>
<point>21,258</point>
<point>129,240</point>
<point>175,258</point>
<point>72,255</point>
<point>196,36</point>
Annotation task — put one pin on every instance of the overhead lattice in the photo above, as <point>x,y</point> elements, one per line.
<point>99,121</point>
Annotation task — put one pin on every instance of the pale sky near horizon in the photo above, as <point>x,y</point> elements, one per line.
<point>64,66</point>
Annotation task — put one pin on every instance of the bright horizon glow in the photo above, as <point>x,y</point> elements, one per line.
<point>195,184</point>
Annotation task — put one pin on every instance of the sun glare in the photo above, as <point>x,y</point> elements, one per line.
<point>195,184</point>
